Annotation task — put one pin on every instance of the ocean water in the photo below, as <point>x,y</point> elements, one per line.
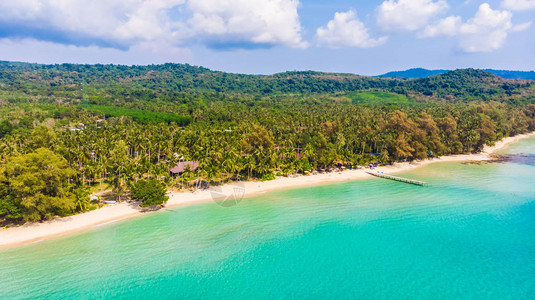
<point>469,235</point>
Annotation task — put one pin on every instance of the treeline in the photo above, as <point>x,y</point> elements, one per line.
<point>66,130</point>
<point>161,80</point>
<point>229,140</point>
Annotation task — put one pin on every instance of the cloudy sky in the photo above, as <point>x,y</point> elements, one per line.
<point>367,37</point>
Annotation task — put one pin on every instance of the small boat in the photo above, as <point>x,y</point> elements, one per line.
<point>110,202</point>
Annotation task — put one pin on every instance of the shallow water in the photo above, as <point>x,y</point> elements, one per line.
<point>470,234</point>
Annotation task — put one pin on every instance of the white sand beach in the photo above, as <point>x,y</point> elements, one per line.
<point>35,232</point>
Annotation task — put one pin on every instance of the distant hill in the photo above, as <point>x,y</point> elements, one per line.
<point>423,73</point>
<point>414,73</point>
<point>513,74</point>
<point>169,82</point>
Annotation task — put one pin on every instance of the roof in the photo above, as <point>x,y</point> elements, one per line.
<point>181,166</point>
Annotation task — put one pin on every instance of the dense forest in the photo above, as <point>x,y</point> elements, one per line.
<point>69,130</point>
<point>171,82</point>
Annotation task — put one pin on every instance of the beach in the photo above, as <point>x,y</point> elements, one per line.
<point>35,232</point>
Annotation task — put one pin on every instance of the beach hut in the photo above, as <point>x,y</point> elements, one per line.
<point>181,167</point>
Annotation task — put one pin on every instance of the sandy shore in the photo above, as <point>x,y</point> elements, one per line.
<point>35,232</point>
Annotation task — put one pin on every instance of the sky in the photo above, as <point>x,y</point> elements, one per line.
<point>269,36</point>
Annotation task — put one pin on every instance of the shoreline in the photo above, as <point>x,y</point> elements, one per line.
<point>35,232</point>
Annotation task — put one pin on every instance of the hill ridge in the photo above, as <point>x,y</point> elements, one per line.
<point>423,73</point>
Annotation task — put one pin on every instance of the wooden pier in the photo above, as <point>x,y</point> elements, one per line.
<point>395,178</point>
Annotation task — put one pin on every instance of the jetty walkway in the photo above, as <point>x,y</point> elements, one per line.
<point>395,178</point>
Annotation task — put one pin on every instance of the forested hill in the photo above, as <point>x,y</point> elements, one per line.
<point>513,74</point>
<point>471,84</point>
<point>413,73</point>
<point>422,73</point>
<point>157,81</point>
<point>70,130</point>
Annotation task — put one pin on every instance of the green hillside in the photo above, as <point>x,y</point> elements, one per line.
<point>170,81</point>
<point>66,130</point>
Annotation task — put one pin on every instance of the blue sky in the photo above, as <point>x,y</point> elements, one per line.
<point>269,36</point>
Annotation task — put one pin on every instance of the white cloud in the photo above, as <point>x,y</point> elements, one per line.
<point>149,20</point>
<point>125,23</point>
<point>518,4</point>
<point>521,27</point>
<point>485,32</point>
<point>259,21</point>
<point>408,15</point>
<point>114,22</point>
<point>32,50</point>
<point>447,26</point>
<point>345,30</point>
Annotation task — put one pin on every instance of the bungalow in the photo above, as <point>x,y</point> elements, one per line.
<point>181,167</point>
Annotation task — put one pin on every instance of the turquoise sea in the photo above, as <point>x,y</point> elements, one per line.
<point>469,235</point>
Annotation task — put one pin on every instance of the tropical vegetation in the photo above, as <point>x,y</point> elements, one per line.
<point>150,192</point>
<point>67,130</point>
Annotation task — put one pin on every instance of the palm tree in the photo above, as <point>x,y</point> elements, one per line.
<point>249,164</point>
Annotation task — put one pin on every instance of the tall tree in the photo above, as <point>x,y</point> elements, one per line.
<point>39,183</point>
